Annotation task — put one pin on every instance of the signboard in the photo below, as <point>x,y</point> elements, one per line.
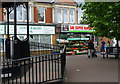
<point>2,29</point>
<point>80,28</point>
<point>22,29</point>
<point>76,28</point>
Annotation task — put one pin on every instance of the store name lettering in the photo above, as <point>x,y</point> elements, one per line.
<point>35,28</point>
<point>71,27</point>
<point>80,28</point>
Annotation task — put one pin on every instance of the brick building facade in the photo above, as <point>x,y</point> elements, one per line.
<point>55,13</point>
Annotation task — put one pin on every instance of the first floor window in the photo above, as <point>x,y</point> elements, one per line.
<point>41,14</point>
<point>11,15</point>
<point>72,13</point>
<point>59,15</point>
<point>29,13</point>
<point>65,15</point>
<point>20,12</point>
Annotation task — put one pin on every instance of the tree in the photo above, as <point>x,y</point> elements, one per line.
<point>104,17</point>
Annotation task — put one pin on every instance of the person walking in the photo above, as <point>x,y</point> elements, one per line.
<point>108,44</point>
<point>90,48</point>
<point>102,46</point>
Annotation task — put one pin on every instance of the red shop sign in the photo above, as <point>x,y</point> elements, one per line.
<point>72,27</point>
<point>86,28</point>
<point>78,27</point>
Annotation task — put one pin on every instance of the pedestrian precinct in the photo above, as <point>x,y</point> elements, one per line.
<point>90,48</point>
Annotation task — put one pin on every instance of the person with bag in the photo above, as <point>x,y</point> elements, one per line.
<point>90,48</point>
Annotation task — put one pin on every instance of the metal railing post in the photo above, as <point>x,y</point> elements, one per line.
<point>63,62</point>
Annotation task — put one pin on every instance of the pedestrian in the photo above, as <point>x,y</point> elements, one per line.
<point>105,48</point>
<point>90,48</point>
<point>102,46</point>
<point>108,44</point>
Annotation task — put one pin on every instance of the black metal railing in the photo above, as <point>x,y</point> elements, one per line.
<point>45,64</point>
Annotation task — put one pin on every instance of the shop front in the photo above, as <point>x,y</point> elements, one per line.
<point>76,37</point>
<point>38,33</point>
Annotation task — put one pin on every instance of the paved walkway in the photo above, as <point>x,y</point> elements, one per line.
<point>80,68</point>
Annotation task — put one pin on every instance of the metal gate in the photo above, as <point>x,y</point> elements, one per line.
<point>45,64</point>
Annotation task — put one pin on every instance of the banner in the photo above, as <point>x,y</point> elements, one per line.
<point>22,29</point>
<point>76,28</point>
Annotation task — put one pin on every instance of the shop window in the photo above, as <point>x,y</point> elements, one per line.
<point>29,13</point>
<point>45,39</point>
<point>72,13</point>
<point>59,15</point>
<point>66,15</point>
<point>41,14</point>
<point>36,38</point>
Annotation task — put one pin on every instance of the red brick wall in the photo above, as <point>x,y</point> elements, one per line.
<point>48,15</point>
<point>1,14</point>
<point>35,15</point>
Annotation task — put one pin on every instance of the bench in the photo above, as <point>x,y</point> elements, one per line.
<point>111,51</point>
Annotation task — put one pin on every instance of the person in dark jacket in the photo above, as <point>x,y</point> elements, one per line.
<point>102,46</point>
<point>90,48</point>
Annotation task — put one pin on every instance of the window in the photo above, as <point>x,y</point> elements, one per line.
<point>29,13</point>
<point>45,39</point>
<point>36,38</point>
<point>72,15</point>
<point>53,14</point>
<point>20,12</point>
<point>41,14</point>
<point>41,38</point>
<point>11,15</point>
<point>59,15</point>
<point>66,15</point>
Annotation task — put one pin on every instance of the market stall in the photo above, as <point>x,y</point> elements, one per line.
<point>76,37</point>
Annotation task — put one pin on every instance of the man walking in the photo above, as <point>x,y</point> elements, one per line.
<point>90,48</point>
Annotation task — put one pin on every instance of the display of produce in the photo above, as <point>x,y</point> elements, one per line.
<point>76,47</point>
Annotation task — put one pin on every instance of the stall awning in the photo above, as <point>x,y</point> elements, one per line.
<point>77,38</point>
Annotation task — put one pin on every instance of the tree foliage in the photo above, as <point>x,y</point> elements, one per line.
<point>104,17</point>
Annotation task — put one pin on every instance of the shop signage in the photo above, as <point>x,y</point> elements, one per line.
<point>76,28</point>
<point>21,29</point>
<point>80,28</point>
<point>2,29</point>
